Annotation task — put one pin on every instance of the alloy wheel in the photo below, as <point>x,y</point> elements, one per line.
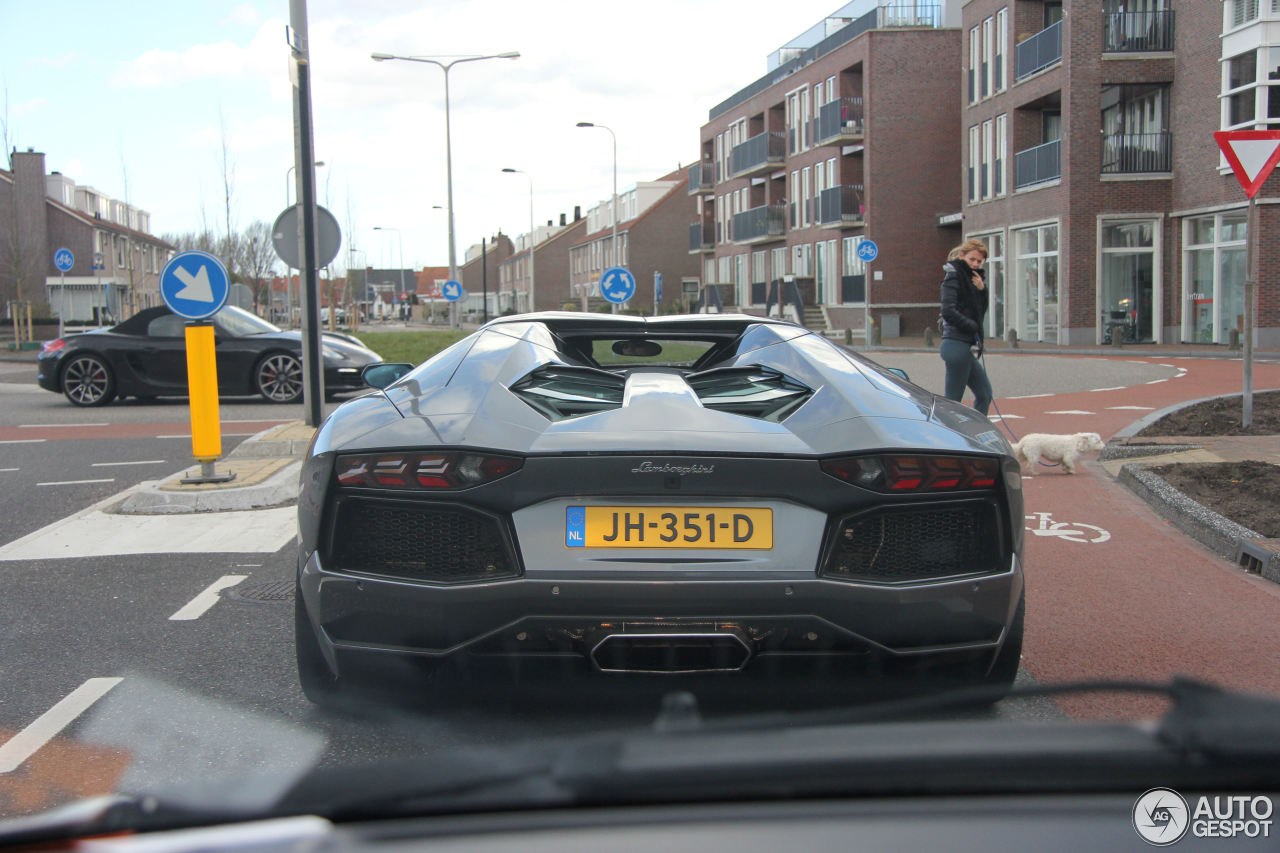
<point>280,378</point>
<point>87,381</point>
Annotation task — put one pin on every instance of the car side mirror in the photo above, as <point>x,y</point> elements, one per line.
<point>381,375</point>
<point>898,371</point>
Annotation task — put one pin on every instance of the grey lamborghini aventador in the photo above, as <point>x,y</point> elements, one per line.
<point>618,495</point>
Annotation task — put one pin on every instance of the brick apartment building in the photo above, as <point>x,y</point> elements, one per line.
<point>479,273</point>
<point>1092,172</point>
<point>653,217</point>
<point>117,261</point>
<point>853,134</point>
<point>549,271</point>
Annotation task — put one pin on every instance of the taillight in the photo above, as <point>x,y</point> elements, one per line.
<point>441,470</point>
<point>53,345</point>
<point>901,473</point>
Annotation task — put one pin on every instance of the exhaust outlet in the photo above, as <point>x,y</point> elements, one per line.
<point>671,653</point>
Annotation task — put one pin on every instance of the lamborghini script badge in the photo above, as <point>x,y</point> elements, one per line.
<point>648,467</point>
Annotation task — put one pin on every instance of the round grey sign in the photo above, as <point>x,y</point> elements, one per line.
<point>285,233</point>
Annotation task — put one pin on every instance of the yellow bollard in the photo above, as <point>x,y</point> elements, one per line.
<point>202,383</point>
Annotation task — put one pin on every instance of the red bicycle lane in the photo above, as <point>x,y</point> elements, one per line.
<point>1113,590</point>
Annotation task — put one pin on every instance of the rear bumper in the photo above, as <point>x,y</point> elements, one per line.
<point>740,624</point>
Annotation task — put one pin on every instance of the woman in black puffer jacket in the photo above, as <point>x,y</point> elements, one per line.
<point>964,305</point>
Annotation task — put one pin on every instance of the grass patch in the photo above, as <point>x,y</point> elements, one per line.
<point>411,347</point>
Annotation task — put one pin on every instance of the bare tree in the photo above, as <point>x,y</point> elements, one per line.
<point>258,259</point>
<point>18,261</point>
<point>227,164</point>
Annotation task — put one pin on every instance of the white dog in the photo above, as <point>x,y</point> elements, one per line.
<point>1056,448</point>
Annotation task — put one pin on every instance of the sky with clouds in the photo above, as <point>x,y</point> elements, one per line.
<point>137,99</point>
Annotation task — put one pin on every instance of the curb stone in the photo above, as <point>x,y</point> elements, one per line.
<point>1216,532</point>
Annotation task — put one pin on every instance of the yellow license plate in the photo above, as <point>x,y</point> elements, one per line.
<point>668,527</point>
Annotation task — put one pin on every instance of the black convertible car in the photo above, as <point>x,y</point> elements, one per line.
<point>145,356</point>
<point>679,495</point>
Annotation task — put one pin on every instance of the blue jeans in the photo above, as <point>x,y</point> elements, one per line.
<point>964,369</point>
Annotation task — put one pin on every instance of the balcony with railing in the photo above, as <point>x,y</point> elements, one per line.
<point>702,177</point>
<point>761,153</point>
<point>1037,165</point>
<point>1039,52</point>
<point>840,121</point>
<point>760,224</point>
<point>842,206</point>
<point>702,237</point>
<point>1128,153</point>
<point>1137,32</point>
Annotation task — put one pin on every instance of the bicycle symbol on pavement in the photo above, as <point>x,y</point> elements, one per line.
<point>1071,531</point>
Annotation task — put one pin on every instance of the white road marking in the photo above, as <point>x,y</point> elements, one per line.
<point>1028,396</point>
<point>92,532</point>
<point>188,435</point>
<point>1070,412</point>
<point>23,440</point>
<point>44,728</point>
<point>139,462</point>
<point>10,469</point>
<point>1157,381</point>
<point>75,482</point>
<point>55,426</point>
<point>1005,418</point>
<point>1166,365</point>
<point>196,607</point>
<point>1133,408</point>
<point>1112,388</point>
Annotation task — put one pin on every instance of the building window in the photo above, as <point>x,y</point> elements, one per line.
<point>1213,277</point>
<point>793,196</point>
<point>1250,98</point>
<point>986,76</point>
<point>985,184</point>
<point>853,272</point>
<point>802,260</point>
<point>1001,39</point>
<point>1135,129</point>
<point>1002,154</point>
<point>723,277</point>
<point>975,54</point>
<point>779,262</point>
<point>1036,282</point>
<point>797,118</point>
<point>974,151</point>
<point>1127,298</point>
<point>804,194</point>
<point>1243,11</point>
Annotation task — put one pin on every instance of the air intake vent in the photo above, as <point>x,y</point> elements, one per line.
<point>560,392</point>
<point>432,543</point>
<point>905,545</point>
<point>753,392</point>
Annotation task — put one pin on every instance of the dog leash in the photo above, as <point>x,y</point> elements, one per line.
<point>1005,423</point>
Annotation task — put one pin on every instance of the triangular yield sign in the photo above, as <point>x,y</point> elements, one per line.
<point>1252,155</point>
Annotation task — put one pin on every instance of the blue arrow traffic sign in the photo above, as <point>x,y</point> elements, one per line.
<point>194,285</point>
<point>63,259</point>
<point>617,284</point>
<point>453,290</point>
<point>867,250</point>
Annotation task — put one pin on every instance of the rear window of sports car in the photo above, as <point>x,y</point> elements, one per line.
<point>625,352</point>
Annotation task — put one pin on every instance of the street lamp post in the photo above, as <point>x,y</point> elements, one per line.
<point>448,144</point>
<point>401,255</point>
<point>613,243</point>
<point>533,306</point>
